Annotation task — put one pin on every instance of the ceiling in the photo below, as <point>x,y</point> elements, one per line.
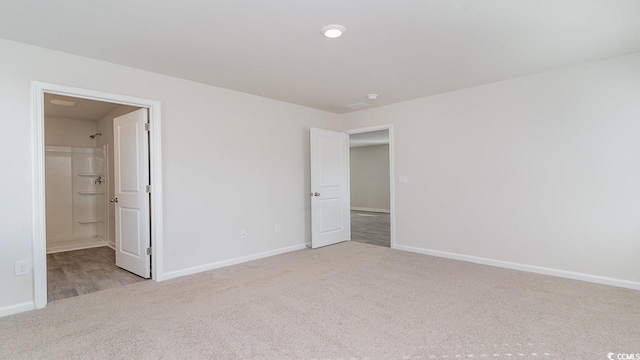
<point>400,50</point>
<point>371,138</point>
<point>83,109</point>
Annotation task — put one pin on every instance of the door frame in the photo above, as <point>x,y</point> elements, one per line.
<point>392,186</point>
<point>39,241</point>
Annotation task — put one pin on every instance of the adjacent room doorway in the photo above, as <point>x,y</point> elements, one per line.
<point>335,208</point>
<point>370,184</point>
<point>84,230</point>
<point>97,191</point>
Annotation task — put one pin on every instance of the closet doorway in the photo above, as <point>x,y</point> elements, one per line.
<point>93,224</point>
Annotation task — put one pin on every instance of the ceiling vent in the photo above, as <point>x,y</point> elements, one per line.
<point>359,105</point>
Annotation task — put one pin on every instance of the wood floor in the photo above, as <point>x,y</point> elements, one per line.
<point>371,228</point>
<point>79,272</point>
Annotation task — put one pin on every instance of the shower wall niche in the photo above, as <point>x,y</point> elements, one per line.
<point>76,197</point>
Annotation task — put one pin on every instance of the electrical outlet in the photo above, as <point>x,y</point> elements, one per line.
<point>243,234</point>
<point>276,228</point>
<point>22,267</point>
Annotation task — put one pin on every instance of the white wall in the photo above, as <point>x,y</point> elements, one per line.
<point>231,161</point>
<point>370,177</point>
<point>105,126</point>
<point>69,132</point>
<point>541,170</point>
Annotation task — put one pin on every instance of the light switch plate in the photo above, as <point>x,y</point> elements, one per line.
<point>403,179</point>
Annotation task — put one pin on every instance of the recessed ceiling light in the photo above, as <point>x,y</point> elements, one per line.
<point>372,96</point>
<point>333,31</point>
<point>62,102</point>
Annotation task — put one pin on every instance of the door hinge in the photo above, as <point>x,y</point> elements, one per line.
<point>148,251</point>
<point>147,126</point>
<point>147,188</point>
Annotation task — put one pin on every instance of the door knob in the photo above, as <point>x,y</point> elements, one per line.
<point>113,200</point>
<point>316,194</point>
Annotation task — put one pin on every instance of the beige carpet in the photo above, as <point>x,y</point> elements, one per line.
<point>345,301</point>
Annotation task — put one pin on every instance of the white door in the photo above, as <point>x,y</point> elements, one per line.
<point>330,203</point>
<point>131,200</point>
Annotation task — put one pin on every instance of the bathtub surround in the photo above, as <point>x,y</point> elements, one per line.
<point>75,181</point>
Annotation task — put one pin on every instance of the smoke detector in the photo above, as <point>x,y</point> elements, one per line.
<point>372,96</point>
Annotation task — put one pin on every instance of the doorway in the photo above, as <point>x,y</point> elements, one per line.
<point>79,178</point>
<point>370,184</point>
<point>93,154</point>
<point>332,191</point>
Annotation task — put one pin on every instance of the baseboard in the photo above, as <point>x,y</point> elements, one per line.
<point>523,267</point>
<point>17,308</point>
<point>63,248</point>
<point>74,238</point>
<point>387,211</point>
<point>234,261</point>
<point>112,245</point>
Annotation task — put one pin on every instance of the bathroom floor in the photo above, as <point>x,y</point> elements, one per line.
<point>79,272</point>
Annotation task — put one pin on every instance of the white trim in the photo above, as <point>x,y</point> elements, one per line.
<point>523,267</point>
<point>76,238</point>
<point>38,89</point>
<point>39,246</point>
<point>107,206</point>
<point>392,171</point>
<point>387,211</point>
<point>234,261</point>
<point>52,249</point>
<point>17,308</point>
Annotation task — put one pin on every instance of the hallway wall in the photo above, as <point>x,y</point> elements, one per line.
<point>370,178</point>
